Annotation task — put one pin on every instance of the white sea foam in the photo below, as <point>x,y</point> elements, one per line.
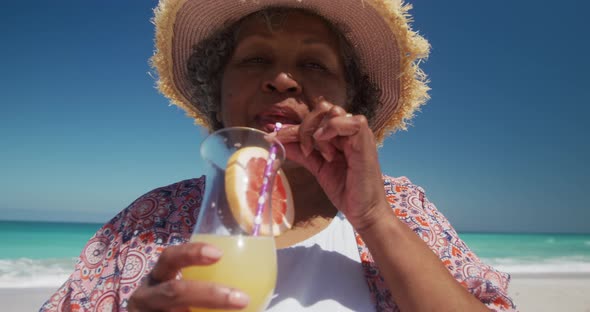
<point>30,273</point>
<point>571,264</point>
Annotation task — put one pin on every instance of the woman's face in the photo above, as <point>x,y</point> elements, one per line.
<point>276,76</point>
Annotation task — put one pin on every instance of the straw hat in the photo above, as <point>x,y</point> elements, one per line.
<point>379,30</point>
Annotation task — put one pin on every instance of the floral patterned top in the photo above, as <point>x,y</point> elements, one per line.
<point>117,258</point>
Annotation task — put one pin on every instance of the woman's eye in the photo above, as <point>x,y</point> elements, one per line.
<point>315,65</point>
<point>254,60</point>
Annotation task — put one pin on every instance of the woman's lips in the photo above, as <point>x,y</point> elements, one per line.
<point>269,124</point>
<point>268,119</point>
<point>269,127</point>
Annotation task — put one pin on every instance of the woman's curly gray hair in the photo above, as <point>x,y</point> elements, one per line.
<point>209,57</point>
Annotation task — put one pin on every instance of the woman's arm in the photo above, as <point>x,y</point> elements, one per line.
<point>339,149</point>
<point>413,272</point>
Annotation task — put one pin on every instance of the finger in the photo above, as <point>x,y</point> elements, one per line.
<point>341,126</point>
<point>313,162</point>
<point>177,294</point>
<point>310,124</point>
<point>174,258</point>
<point>336,111</point>
<point>326,147</point>
<point>288,134</point>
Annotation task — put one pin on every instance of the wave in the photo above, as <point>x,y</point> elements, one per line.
<point>30,273</point>
<point>567,264</point>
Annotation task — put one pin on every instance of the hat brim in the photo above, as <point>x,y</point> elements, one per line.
<point>378,30</point>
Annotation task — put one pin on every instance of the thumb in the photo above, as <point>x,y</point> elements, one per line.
<point>312,163</point>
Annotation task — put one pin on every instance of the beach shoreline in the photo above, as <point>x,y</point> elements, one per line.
<point>531,292</point>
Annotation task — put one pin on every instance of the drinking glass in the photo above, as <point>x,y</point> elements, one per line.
<point>236,213</point>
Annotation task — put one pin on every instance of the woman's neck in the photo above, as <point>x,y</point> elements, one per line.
<point>310,200</point>
<point>313,210</point>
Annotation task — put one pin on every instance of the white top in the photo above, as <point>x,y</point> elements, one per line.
<point>322,273</point>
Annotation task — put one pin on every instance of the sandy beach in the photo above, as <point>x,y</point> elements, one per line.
<point>23,299</point>
<point>551,292</point>
<point>531,292</point>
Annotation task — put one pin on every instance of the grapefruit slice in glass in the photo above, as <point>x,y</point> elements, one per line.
<point>243,181</point>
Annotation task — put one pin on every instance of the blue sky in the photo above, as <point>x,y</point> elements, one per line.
<point>502,146</point>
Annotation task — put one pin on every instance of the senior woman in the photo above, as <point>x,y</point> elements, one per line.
<point>341,76</point>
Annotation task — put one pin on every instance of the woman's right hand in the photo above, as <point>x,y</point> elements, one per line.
<point>166,293</point>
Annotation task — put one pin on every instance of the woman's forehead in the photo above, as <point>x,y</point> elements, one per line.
<point>287,25</point>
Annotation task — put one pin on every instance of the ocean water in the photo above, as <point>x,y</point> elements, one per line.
<point>40,254</point>
<point>43,254</point>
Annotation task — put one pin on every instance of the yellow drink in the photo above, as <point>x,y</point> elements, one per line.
<point>248,264</point>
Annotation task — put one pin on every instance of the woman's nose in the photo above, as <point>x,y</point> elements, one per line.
<point>282,83</point>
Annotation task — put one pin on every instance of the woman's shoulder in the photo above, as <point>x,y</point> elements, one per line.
<point>401,184</point>
<point>181,192</point>
<point>183,195</point>
<point>171,208</point>
<point>192,186</point>
<point>411,206</point>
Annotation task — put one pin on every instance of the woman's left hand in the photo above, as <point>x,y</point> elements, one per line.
<point>339,149</point>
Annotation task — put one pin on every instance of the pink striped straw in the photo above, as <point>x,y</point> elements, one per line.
<point>265,181</point>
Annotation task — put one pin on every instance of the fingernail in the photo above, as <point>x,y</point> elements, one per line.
<point>270,137</point>
<point>318,133</point>
<point>211,252</point>
<point>326,157</point>
<point>238,298</point>
<point>306,150</point>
